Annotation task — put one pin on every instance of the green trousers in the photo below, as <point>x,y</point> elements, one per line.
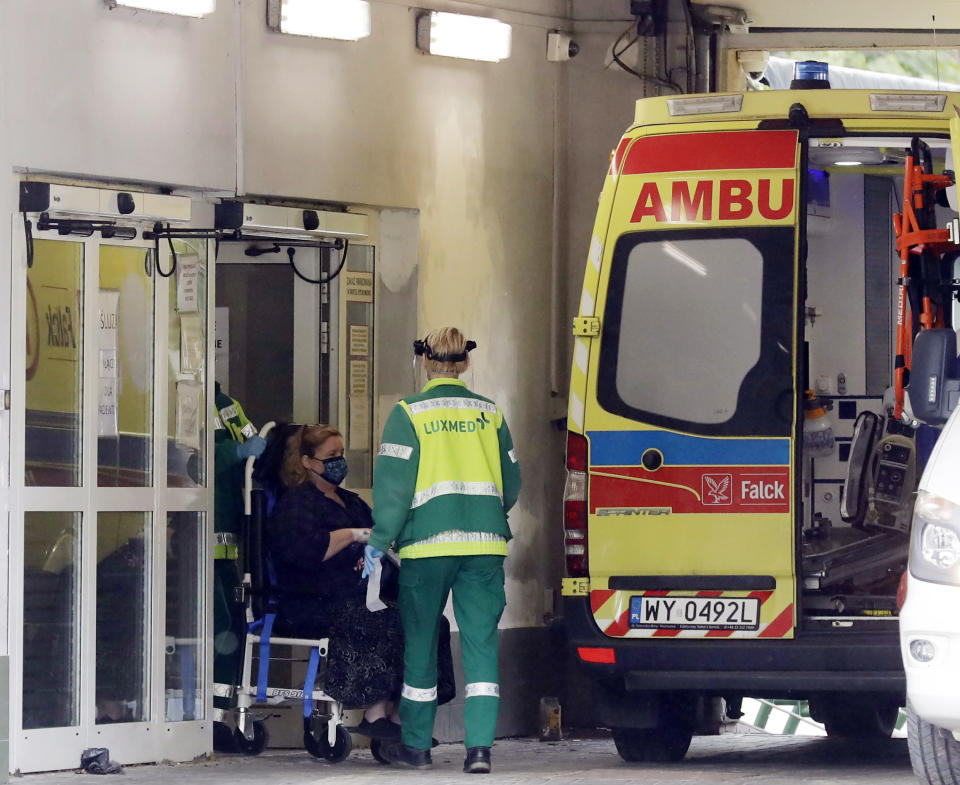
<point>478,603</point>
<point>229,628</point>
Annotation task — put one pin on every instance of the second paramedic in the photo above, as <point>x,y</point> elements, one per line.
<point>446,475</point>
<point>235,440</point>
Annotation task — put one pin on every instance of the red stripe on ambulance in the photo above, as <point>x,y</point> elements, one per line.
<point>620,626</point>
<point>781,625</point>
<point>635,491</point>
<point>598,597</point>
<point>712,151</point>
<point>617,157</point>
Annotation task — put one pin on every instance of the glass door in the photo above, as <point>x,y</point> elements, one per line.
<point>109,540</point>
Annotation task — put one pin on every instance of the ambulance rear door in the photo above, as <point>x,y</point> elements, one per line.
<point>691,428</point>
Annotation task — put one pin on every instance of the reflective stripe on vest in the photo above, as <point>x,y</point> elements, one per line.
<point>455,486</point>
<point>396,451</point>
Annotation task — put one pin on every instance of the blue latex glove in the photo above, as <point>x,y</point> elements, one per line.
<point>254,446</point>
<point>370,557</point>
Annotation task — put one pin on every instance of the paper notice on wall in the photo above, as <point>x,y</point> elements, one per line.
<point>107,408</point>
<point>189,411</point>
<point>359,422</point>
<point>192,343</point>
<point>221,346</point>
<point>358,377</point>
<point>359,340</point>
<point>358,287</point>
<point>188,283</point>
<point>109,372</point>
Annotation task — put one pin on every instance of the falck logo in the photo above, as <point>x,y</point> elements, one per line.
<point>716,488</point>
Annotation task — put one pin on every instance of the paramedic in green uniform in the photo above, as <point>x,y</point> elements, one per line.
<point>236,440</point>
<point>446,475</point>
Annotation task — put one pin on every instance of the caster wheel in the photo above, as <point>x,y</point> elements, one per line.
<point>253,746</point>
<point>376,749</point>
<point>320,748</point>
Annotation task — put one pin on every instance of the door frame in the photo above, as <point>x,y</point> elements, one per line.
<point>155,738</point>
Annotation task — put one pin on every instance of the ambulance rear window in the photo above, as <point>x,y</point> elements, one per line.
<point>698,330</point>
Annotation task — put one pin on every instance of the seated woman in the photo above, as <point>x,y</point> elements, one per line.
<point>315,542</point>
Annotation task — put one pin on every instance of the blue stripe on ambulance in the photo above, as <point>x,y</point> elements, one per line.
<point>624,448</point>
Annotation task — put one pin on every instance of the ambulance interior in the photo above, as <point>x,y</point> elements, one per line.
<point>858,492</point>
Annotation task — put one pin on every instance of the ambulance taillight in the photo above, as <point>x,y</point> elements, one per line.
<point>575,506</point>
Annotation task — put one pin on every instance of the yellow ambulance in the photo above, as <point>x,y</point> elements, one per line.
<point>741,461</point>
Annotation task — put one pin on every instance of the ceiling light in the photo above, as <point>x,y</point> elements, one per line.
<point>345,20</point>
<point>458,35</point>
<point>180,7</point>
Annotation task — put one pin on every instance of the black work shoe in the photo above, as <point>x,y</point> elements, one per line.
<point>477,761</point>
<point>381,729</point>
<point>400,754</point>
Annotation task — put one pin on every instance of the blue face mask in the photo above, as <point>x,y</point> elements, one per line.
<point>335,470</point>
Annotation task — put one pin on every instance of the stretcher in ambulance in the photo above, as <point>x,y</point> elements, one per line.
<point>742,451</point>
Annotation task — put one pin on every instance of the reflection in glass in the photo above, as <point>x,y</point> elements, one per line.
<point>184,626</point>
<point>51,612</point>
<point>187,353</point>
<point>706,342</point>
<point>54,364</point>
<point>125,383</point>
<point>123,619</point>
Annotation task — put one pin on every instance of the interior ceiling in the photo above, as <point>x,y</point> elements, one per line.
<point>847,14</point>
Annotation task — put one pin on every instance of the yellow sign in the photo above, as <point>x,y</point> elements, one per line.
<point>55,327</point>
<point>358,287</point>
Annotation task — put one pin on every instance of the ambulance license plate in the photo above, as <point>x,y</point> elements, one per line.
<point>695,613</point>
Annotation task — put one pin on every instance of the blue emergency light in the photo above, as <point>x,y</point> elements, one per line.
<point>810,75</point>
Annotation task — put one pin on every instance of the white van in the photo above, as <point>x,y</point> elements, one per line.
<point>930,616</point>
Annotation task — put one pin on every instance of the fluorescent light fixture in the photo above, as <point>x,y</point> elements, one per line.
<point>848,163</point>
<point>710,104</point>
<point>180,7</point>
<point>907,102</point>
<point>458,35</point>
<point>345,20</point>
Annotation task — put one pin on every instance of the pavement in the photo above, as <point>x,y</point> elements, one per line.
<point>749,758</point>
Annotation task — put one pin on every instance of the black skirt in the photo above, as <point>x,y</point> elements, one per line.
<point>365,663</point>
<point>365,660</point>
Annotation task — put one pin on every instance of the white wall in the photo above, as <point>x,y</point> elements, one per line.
<point>120,94</point>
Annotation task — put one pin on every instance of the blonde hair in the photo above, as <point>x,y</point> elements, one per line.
<point>446,340</point>
<point>305,441</point>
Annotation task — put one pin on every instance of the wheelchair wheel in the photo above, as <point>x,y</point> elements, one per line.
<point>253,746</point>
<point>376,749</point>
<point>341,747</point>
<point>320,747</point>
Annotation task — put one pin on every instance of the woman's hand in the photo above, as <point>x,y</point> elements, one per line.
<point>343,538</point>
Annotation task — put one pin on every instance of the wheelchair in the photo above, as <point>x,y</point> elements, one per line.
<point>324,733</point>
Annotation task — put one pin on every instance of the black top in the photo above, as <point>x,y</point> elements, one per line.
<point>298,535</point>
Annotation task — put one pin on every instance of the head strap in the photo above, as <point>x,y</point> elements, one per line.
<point>421,347</point>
